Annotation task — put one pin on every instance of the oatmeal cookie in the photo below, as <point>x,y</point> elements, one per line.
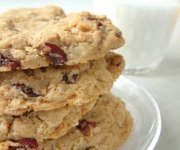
<point>40,37</point>
<point>105,127</point>
<point>54,87</point>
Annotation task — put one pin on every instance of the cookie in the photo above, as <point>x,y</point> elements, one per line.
<point>40,37</point>
<point>105,127</point>
<point>43,124</point>
<point>54,87</point>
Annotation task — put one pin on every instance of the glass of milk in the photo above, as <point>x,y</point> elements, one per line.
<point>147,27</point>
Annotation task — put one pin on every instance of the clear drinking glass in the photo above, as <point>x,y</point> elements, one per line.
<point>147,27</point>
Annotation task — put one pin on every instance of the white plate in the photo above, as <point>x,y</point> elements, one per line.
<point>145,112</point>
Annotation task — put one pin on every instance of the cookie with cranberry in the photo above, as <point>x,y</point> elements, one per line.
<point>40,37</point>
<point>43,124</point>
<point>54,87</point>
<point>105,127</point>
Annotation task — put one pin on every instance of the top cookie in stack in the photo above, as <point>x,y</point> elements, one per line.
<point>54,69</point>
<point>34,38</point>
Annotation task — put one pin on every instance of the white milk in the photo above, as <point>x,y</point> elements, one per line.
<point>146,27</point>
<point>175,41</point>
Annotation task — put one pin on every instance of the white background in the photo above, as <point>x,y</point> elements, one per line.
<point>163,83</point>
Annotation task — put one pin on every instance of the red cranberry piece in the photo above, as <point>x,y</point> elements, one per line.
<point>84,126</point>
<point>29,142</point>
<point>15,64</point>
<point>71,80</point>
<point>74,77</point>
<point>65,78</point>
<point>27,90</point>
<point>57,56</point>
<point>5,61</point>
<point>17,148</point>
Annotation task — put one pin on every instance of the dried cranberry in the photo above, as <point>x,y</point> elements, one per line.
<point>17,148</point>
<point>65,78</point>
<point>27,90</point>
<point>29,142</point>
<point>15,64</point>
<point>71,80</point>
<point>57,56</point>
<point>84,126</point>
<point>74,77</point>
<point>5,61</point>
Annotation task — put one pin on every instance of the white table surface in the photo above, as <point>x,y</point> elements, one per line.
<point>163,83</point>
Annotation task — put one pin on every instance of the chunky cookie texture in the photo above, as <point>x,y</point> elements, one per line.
<point>54,87</point>
<point>43,124</point>
<point>40,37</point>
<point>107,125</point>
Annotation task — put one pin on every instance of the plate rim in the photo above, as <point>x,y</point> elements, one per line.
<point>156,137</point>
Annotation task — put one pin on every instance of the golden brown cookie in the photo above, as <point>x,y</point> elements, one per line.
<point>40,37</point>
<point>54,87</point>
<point>105,127</point>
<point>43,124</point>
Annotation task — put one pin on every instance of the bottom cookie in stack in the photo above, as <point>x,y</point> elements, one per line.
<point>105,127</point>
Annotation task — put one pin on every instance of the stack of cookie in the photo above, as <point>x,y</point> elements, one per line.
<point>55,74</point>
